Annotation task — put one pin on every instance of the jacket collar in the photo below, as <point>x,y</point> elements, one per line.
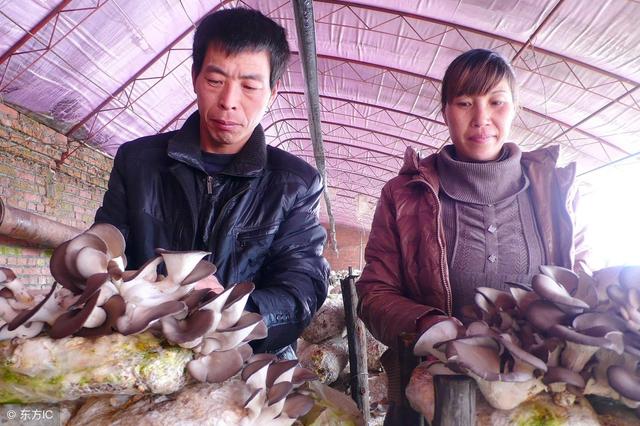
<point>425,170</point>
<point>184,146</point>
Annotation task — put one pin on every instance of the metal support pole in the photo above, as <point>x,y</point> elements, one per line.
<point>303,11</point>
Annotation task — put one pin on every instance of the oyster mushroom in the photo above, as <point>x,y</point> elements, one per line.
<point>442,331</point>
<point>626,383</point>
<point>582,345</point>
<point>9,280</point>
<point>550,290</point>
<point>138,319</point>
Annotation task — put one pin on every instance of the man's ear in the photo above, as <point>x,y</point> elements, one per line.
<point>444,116</point>
<point>194,76</point>
<point>274,93</point>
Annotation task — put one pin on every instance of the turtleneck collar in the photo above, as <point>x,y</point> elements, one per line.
<point>482,183</point>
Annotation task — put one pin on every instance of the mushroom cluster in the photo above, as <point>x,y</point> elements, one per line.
<point>563,333</point>
<point>275,399</point>
<point>94,296</point>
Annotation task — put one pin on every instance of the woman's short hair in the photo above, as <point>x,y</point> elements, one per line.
<point>476,72</point>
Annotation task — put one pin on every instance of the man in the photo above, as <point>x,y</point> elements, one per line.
<point>215,185</point>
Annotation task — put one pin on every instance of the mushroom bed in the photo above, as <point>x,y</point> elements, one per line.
<point>568,335</point>
<point>102,330</point>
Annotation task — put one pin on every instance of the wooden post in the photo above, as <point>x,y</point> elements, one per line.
<point>455,403</point>
<point>357,340</point>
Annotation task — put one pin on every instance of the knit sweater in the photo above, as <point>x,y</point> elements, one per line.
<point>490,230</point>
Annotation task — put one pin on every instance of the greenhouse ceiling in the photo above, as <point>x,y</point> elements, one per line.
<point>105,72</point>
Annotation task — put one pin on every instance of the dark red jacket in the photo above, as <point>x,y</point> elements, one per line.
<point>406,275</point>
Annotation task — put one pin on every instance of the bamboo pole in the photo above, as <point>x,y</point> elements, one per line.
<point>357,340</point>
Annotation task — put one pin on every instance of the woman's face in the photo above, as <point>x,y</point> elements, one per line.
<point>480,124</point>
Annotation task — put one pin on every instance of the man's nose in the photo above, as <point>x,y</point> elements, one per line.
<point>228,97</point>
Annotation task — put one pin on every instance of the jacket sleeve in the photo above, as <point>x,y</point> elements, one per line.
<point>382,301</point>
<point>114,205</point>
<point>293,281</point>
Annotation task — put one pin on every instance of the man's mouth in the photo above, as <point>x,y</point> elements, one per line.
<point>224,124</point>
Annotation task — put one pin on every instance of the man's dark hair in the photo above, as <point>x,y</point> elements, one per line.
<point>239,30</point>
<point>476,72</point>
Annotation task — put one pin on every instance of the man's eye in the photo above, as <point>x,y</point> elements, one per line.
<point>250,87</point>
<point>214,82</point>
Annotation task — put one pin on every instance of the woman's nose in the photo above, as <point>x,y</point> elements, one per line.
<point>480,116</point>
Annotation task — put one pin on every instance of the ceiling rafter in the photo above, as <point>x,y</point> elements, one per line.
<point>49,45</point>
<point>483,33</point>
<point>137,76</point>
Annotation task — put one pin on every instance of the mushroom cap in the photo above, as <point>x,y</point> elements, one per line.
<point>550,290</point>
<point>93,284</point>
<point>523,297</point>
<point>60,272</point>
<point>563,375</point>
<point>600,337</point>
<point>297,405</point>
<point>521,354</point>
<point>625,382</point>
<point>90,261</point>
<point>543,314</point>
<point>180,263</point>
<point>73,320</point>
<point>193,326</point>
<point>596,319</point>
<point>26,315</point>
<point>235,304</point>
<point>24,331</point>
<point>111,236</point>
<point>478,354</point>
<point>216,367</point>
<point>442,331</point>
<point>281,371</point>
<point>114,307</point>
<point>255,373</point>
<point>203,269</point>
<point>198,298</point>
<point>74,247</point>
<point>6,275</point>
<point>565,277</point>
<point>630,277</point>
<point>501,300</point>
<point>140,318</point>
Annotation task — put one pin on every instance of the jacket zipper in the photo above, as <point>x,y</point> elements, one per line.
<point>447,284</point>
<point>209,185</point>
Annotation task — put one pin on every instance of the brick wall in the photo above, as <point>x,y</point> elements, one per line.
<point>29,180</point>
<point>351,244</point>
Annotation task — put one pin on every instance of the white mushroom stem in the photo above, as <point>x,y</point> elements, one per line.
<point>575,356</point>
<point>598,383</point>
<point>96,318</point>
<point>508,395</point>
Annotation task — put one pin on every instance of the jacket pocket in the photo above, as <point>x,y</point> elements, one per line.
<point>252,246</point>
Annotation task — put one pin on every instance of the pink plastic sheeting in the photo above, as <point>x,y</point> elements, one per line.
<point>107,71</point>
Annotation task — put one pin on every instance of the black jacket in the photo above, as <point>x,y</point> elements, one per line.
<point>258,218</point>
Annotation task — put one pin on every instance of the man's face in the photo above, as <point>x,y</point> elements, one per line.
<point>233,95</point>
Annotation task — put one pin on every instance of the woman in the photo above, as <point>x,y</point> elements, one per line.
<point>478,213</point>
